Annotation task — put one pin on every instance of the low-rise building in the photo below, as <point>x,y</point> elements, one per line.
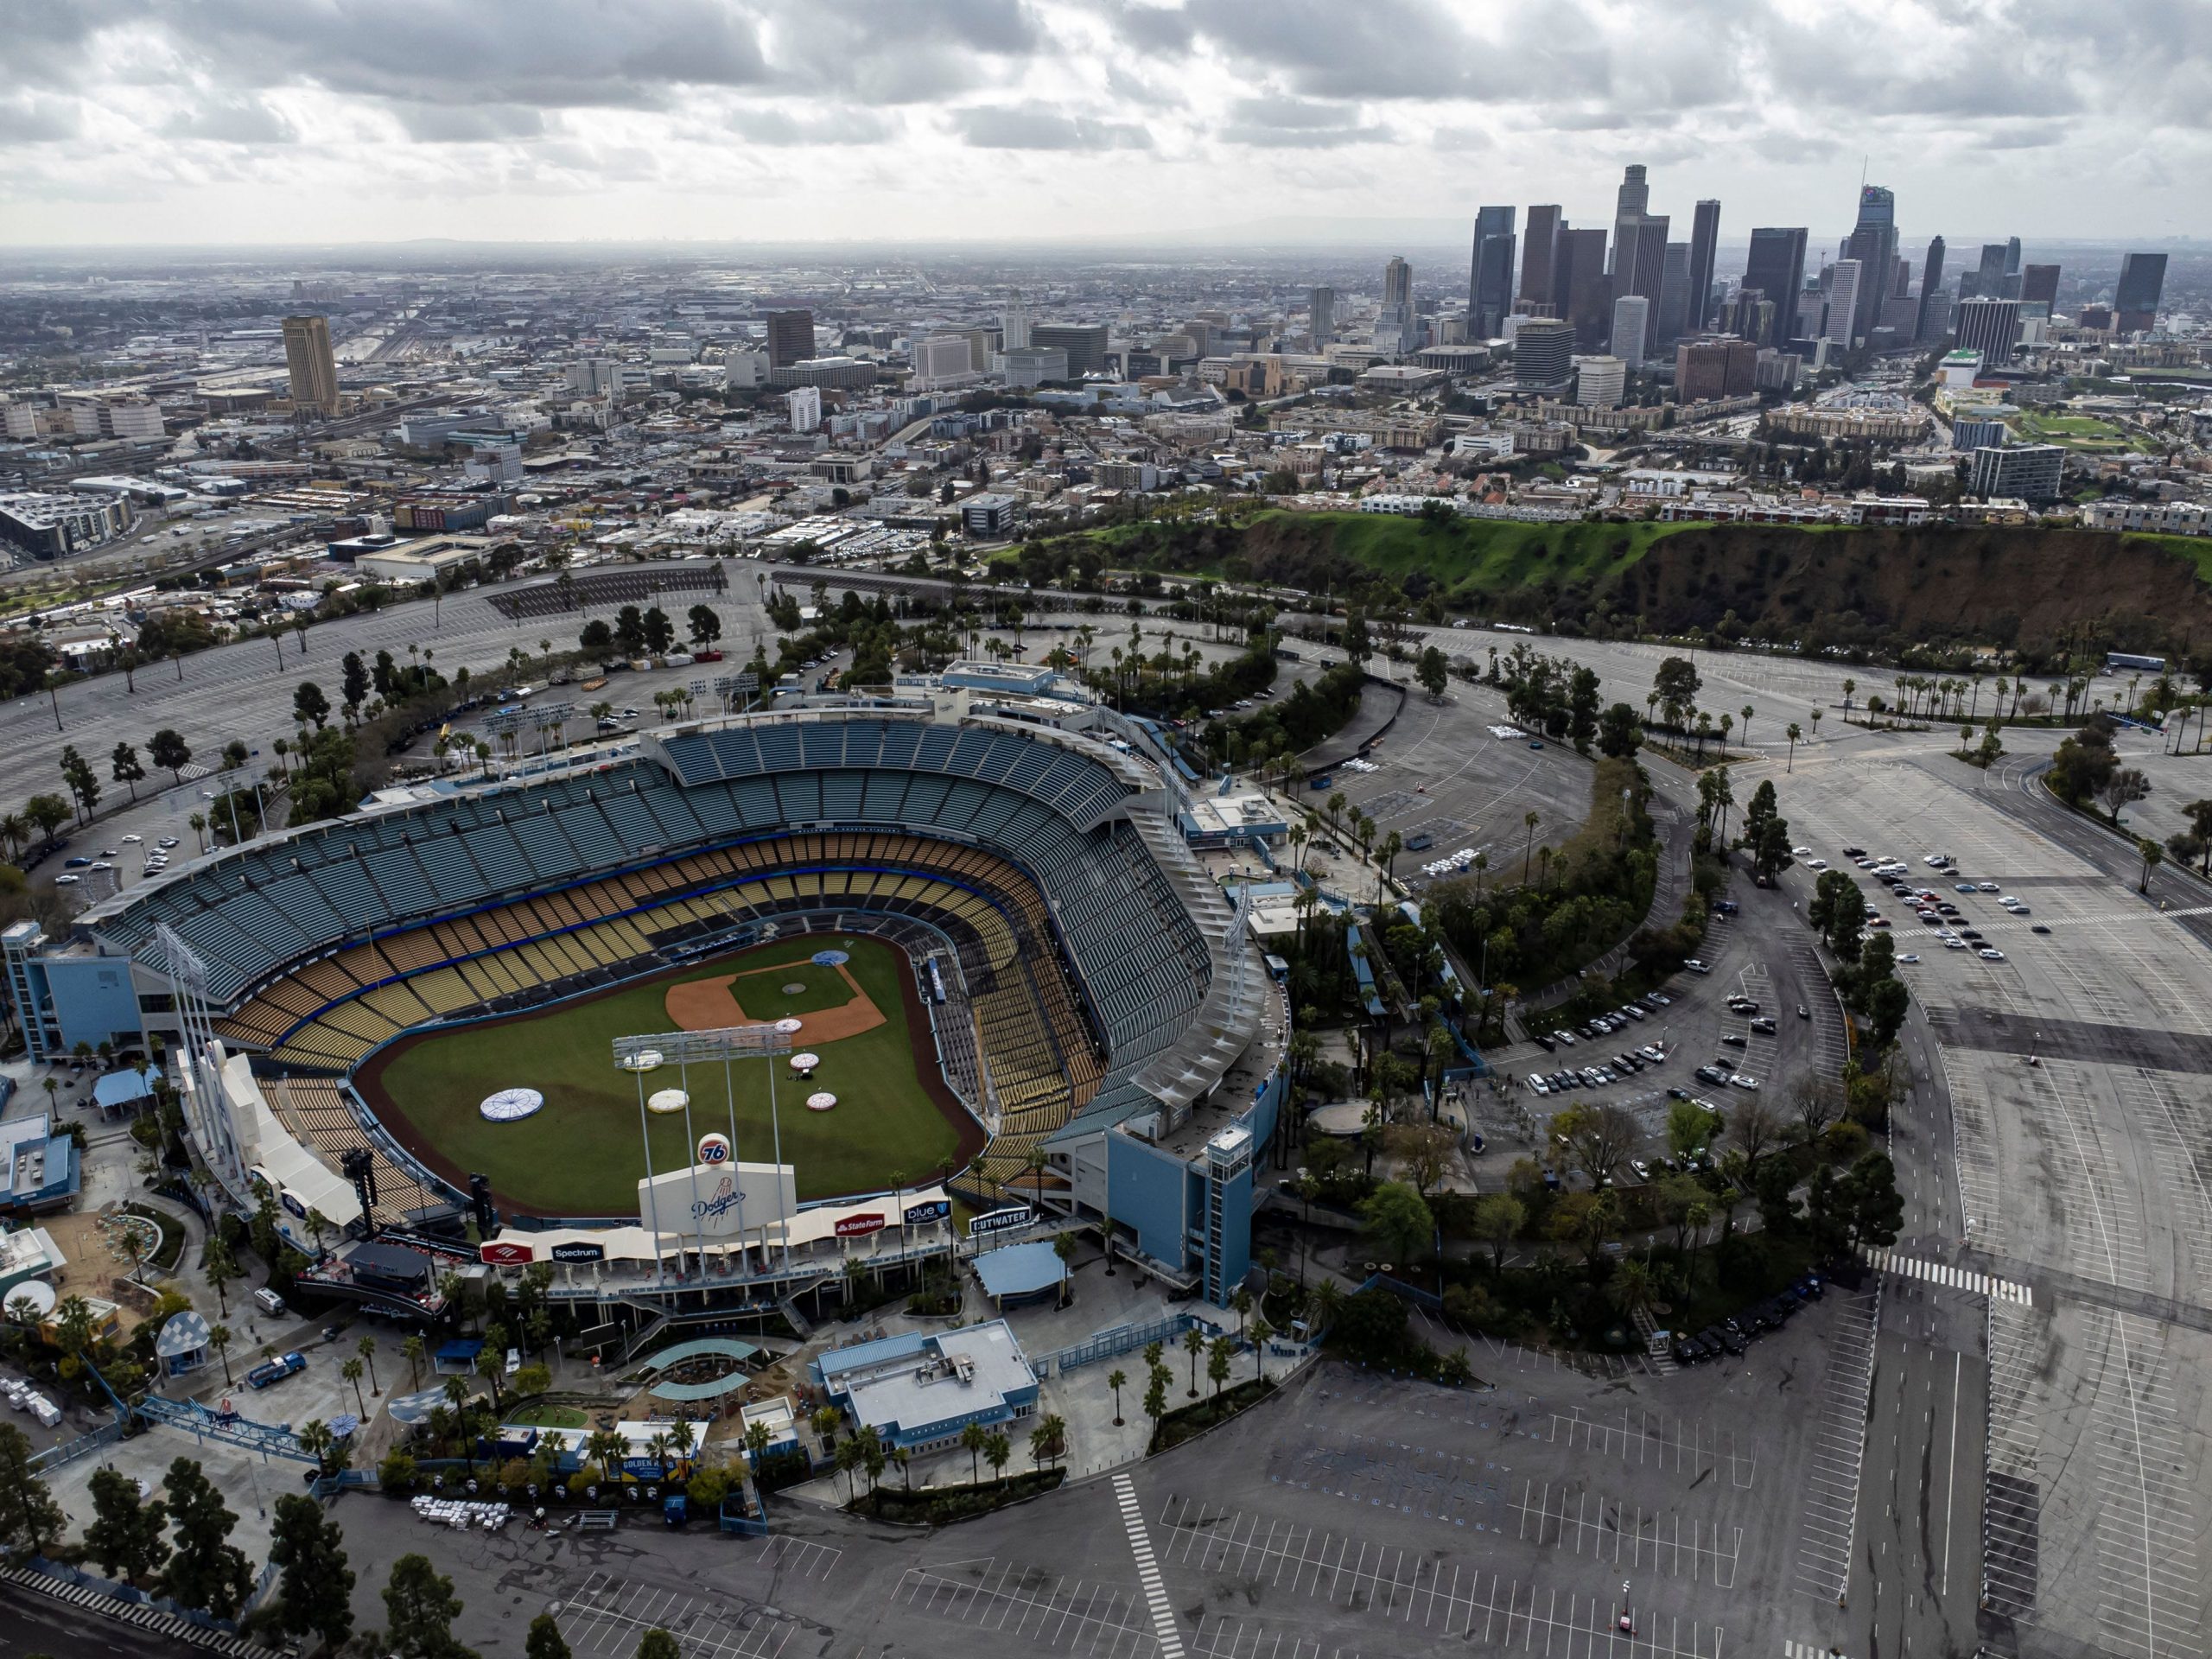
<point>919,1389</point>
<point>52,525</point>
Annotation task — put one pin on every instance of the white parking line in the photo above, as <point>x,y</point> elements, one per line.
<point>1155,1592</point>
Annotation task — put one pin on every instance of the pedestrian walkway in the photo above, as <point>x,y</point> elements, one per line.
<point>1936,1273</point>
<point>1155,1592</point>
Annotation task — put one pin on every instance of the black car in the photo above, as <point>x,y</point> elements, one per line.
<point>1688,1350</point>
<point>1732,1342</point>
<point>1735,1039</point>
<point>1545,1043</point>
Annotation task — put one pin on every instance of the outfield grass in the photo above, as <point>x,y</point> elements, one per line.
<point>583,1154</point>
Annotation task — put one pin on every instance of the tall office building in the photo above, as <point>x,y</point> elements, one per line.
<point>2039,287</point>
<point>806,405</point>
<point>2142,280</point>
<point>1776,268</point>
<point>1989,277</point>
<point>1581,292</point>
<point>1539,256</point>
<point>1931,283</point>
<point>1673,294</point>
<point>2012,259</point>
<point>1873,244</point>
<point>1013,325</point>
<point>1704,243</point>
<point>1631,325</point>
<point>1629,205</point>
<point>314,366</point>
<point>1398,282</point>
<point>1646,267</point>
<point>1847,278</point>
<point>1489,274</point>
<point>790,338</point>
<point>1987,326</point>
<point>1084,342</point>
<point>1543,351</point>
<point>1321,315</point>
<point>1599,381</point>
<point>1706,369</point>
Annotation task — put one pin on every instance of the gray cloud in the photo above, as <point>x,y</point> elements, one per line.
<point>1277,122</point>
<point>231,120</point>
<point>1034,126</point>
<point>765,125</point>
<point>447,124</point>
<point>28,119</point>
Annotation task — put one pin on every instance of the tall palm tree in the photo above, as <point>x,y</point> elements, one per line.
<point>1747,723</point>
<point>1528,821</point>
<point>1793,734</point>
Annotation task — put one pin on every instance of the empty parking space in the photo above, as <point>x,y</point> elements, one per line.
<point>607,1616</point>
<point>1054,1610</point>
<point>1831,1502</point>
<point>1652,1440</point>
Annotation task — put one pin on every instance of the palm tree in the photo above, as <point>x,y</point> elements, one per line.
<point>1326,1301</point>
<point>416,1351</point>
<point>1528,821</point>
<point>1793,734</point>
<point>366,1348</point>
<point>2153,855</point>
<point>351,1370</point>
<point>1117,1381</point>
<point>1194,1343</point>
<point>606,1448</point>
<point>974,1438</point>
<point>1746,713</point>
<point>1816,723</point>
<point>318,1442</point>
<point>1261,1331</point>
<point>1850,688</point>
<point>219,1338</point>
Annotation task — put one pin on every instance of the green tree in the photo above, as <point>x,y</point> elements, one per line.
<point>545,1641</point>
<point>1194,1343</point>
<point>1218,1352</point>
<point>316,1583</point>
<point>1399,1223</point>
<point>1117,1382</point>
<point>973,1439</point>
<point>126,1534</point>
<point>1838,911</point>
<point>997,1449</point>
<point>420,1607</point>
<point>1433,673</point>
<point>168,750</point>
<point>1871,1209</point>
<point>1619,733</point>
<point>1690,1128</point>
<point>29,1517</point>
<point>659,1644</point>
<point>207,1572</point>
<point>310,706</point>
<point>125,767</point>
<point>1499,1217</point>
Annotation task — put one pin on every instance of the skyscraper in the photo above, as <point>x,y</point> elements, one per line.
<point>790,338</point>
<point>1989,278</point>
<point>1931,283</point>
<point>1705,241</point>
<point>1629,205</point>
<point>1645,272</point>
<point>1398,282</point>
<point>2012,255</point>
<point>1873,244</point>
<point>1673,294</point>
<point>2039,286</point>
<point>1543,351</point>
<point>1581,292</point>
<point>1321,315</point>
<point>1846,278</point>
<point>1631,323</point>
<point>2142,280</point>
<point>1987,326</point>
<point>1776,268</point>
<point>1013,325</point>
<point>1539,256</point>
<point>313,365</point>
<point>1490,279</point>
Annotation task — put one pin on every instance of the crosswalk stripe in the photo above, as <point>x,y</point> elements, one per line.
<point>1942,1273</point>
<point>1155,1588</point>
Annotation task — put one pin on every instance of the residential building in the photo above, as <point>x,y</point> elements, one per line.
<point>1846,279</point>
<point>1715,367</point>
<point>1599,382</point>
<point>1775,268</point>
<point>2142,281</point>
<point>790,338</point>
<point>1543,351</point>
<point>2032,472</point>
<point>1084,342</point>
<point>1539,252</point>
<point>806,405</point>
<point>1972,432</point>
<point>1705,242</point>
<point>1987,326</point>
<point>2153,517</point>
<point>1490,280</point>
<point>1931,284</point>
<point>1631,321</point>
<point>313,365</point>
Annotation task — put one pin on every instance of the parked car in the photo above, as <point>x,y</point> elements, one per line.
<point>276,1370</point>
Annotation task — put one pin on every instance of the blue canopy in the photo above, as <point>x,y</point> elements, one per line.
<point>122,1088</point>
<point>1020,1269</point>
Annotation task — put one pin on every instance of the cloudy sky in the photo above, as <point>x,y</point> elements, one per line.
<point>229,121</point>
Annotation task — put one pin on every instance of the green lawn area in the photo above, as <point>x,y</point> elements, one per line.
<point>583,1154</point>
<point>542,1416</point>
<point>2081,432</point>
<point>2196,550</point>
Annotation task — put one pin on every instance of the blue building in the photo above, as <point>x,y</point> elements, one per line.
<point>68,995</point>
<point>39,1170</point>
<point>919,1390</point>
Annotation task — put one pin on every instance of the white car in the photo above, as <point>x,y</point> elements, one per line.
<point>1801,852</point>
<point>1909,956</point>
<point>1695,966</point>
<point>1988,954</point>
<point>66,880</point>
<point>1816,863</point>
<point>166,841</point>
<point>1743,1082</point>
<point>1986,886</point>
<point>1537,1084</point>
<point>1955,945</point>
<point>131,841</point>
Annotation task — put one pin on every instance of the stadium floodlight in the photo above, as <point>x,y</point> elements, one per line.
<point>647,1051</point>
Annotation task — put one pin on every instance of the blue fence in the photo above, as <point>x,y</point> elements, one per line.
<point>1121,1339</point>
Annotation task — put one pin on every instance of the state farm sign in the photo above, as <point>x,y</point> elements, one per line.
<point>859,1226</point>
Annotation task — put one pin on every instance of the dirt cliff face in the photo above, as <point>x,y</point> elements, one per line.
<point>2002,586</point>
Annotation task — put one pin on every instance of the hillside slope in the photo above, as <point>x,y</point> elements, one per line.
<point>1826,586</point>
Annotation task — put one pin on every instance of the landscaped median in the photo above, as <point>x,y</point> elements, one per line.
<point>1188,1422</point>
<point>937,1506</point>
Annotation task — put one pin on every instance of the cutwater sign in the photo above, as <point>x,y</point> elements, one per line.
<point>998,1221</point>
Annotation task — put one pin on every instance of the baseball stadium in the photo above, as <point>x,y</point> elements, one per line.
<point>949,949</point>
